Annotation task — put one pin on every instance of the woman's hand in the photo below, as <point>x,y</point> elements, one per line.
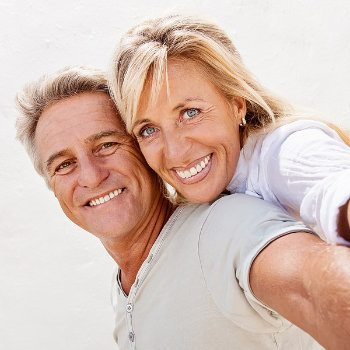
<point>344,221</point>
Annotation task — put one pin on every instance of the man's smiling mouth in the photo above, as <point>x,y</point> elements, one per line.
<point>105,198</point>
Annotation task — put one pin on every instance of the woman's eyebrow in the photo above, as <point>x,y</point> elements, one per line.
<point>190,99</point>
<point>142,121</point>
<point>180,105</point>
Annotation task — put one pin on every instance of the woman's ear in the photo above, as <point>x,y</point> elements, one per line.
<point>239,108</point>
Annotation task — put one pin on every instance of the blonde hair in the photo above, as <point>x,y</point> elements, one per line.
<point>142,57</point>
<point>51,88</point>
<point>143,53</point>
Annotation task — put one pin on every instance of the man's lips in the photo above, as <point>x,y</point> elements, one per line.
<point>105,198</point>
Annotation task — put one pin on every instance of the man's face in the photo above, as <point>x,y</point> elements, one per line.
<point>100,179</point>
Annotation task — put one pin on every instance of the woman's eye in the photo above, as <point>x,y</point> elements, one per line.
<point>147,131</point>
<point>190,113</point>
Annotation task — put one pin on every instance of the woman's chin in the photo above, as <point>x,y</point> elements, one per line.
<point>201,195</point>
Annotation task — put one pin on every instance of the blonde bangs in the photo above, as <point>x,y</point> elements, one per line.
<point>148,64</point>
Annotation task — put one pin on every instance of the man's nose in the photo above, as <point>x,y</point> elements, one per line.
<point>92,172</point>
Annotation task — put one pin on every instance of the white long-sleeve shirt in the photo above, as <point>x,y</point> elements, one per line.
<point>303,167</point>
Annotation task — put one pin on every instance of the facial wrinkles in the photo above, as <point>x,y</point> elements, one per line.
<point>67,183</point>
<point>183,148</point>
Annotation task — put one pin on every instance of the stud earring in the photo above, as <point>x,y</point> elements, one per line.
<point>244,122</point>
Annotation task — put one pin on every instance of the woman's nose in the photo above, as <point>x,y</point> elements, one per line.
<point>176,147</point>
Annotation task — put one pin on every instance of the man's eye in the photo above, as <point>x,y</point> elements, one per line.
<point>106,148</point>
<point>147,131</point>
<point>63,168</point>
<point>190,113</point>
<point>108,145</point>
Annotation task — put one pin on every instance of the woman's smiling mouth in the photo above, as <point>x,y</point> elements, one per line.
<point>196,172</point>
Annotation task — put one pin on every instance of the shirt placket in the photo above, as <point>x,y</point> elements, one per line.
<point>141,276</point>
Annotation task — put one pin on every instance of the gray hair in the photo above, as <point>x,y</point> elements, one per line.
<point>50,88</point>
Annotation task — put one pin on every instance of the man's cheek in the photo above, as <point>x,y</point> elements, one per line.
<point>53,186</point>
<point>69,212</point>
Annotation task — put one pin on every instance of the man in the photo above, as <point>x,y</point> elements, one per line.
<point>187,278</point>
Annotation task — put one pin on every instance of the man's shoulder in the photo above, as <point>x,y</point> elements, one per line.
<point>245,207</point>
<point>235,207</point>
<point>235,230</point>
<point>231,216</point>
<point>243,218</point>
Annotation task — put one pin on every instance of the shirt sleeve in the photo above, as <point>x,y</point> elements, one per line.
<point>236,230</point>
<point>305,167</point>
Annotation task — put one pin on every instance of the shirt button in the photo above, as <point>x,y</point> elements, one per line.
<point>131,336</point>
<point>129,308</point>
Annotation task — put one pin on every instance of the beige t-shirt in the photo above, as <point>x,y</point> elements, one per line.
<point>192,292</point>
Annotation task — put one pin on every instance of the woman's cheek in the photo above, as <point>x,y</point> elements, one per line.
<point>151,154</point>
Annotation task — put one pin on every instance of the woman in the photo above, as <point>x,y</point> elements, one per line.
<point>204,124</point>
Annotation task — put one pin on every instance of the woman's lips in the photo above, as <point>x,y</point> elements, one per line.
<point>195,173</point>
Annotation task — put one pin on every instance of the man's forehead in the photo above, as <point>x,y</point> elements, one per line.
<point>83,108</point>
<point>86,118</point>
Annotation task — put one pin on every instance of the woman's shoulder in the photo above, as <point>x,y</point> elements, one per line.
<point>296,136</point>
<point>293,141</point>
<point>295,126</point>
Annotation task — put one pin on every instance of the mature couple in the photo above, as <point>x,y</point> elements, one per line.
<point>233,273</point>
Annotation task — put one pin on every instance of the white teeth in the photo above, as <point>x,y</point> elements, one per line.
<point>106,198</point>
<point>194,170</point>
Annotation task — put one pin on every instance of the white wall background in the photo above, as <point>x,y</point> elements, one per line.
<point>54,277</point>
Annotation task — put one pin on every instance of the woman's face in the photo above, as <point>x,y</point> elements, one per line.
<point>190,137</point>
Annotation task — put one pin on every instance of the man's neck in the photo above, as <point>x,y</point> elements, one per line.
<point>131,253</point>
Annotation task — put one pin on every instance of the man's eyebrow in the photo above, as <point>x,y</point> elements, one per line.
<point>102,134</point>
<point>53,157</point>
<point>90,139</point>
